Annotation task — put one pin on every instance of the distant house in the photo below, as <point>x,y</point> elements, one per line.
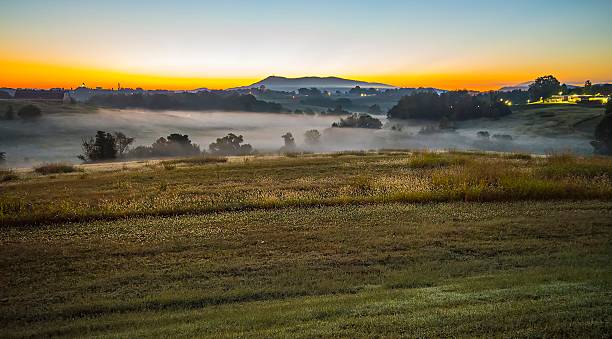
<point>55,94</point>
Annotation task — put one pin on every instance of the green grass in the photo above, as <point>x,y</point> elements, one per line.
<point>351,244</point>
<point>512,269</point>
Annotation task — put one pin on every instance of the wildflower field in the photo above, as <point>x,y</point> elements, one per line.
<point>384,243</point>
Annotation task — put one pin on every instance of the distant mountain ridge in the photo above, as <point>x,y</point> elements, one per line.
<point>525,86</point>
<point>291,84</point>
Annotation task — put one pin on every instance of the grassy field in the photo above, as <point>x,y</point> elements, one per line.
<point>351,244</point>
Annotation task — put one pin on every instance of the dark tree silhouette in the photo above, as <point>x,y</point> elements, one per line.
<point>588,87</point>
<point>123,143</point>
<point>359,121</point>
<point>230,144</point>
<point>223,101</point>
<point>544,87</point>
<point>454,105</point>
<point>101,147</point>
<point>29,112</point>
<point>289,143</point>
<point>2,156</point>
<point>173,145</point>
<point>311,92</point>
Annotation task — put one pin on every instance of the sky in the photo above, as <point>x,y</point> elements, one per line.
<point>187,44</point>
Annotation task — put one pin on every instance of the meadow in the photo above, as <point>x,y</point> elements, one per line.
<point>387,243</point>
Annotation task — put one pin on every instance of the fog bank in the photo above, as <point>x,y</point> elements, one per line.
<point>57,137</point>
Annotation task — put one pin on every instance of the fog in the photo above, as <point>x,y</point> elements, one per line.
<point>57,137</point>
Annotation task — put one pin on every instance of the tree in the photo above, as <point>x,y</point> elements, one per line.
<point>122,142</point>
<point>173,145</point>
<point>603,136</point>
<point>544,87</point>
<point>588,87</point>
<point>289,143</point>
<point>10,114</point>
<point>609,106</point>
<point>230,144</point>
<point>101,147</point>
<point>29,112</point>
<point>2,156</point>
<point>312,137</point>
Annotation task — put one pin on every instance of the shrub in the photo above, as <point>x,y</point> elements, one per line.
<point>54,168</point>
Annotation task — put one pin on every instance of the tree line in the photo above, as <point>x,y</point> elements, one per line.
<point>188,101</point>
<point>452,105</point>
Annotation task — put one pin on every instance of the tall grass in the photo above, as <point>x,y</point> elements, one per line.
<point>312,181</point>
<point>55,168</point>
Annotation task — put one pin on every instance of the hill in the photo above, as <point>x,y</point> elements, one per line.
<point>328,83</point>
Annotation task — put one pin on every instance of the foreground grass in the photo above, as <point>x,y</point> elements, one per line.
<point>444,269</point>
<point>194,186</point>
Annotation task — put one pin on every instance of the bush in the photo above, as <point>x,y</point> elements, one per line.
<point>29,112</point>
<point>55,168</point>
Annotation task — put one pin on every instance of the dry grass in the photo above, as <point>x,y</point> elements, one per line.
<point>312,180</point>
<point>7,175</point>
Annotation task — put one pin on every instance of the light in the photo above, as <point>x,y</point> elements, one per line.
<point>560,93</point>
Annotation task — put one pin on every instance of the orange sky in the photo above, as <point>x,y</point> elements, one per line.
<point>20,74</point>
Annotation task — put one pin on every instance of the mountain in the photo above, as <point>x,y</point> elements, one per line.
<point>525,86</point>
<point>326,83</point>
<point>522,86</point>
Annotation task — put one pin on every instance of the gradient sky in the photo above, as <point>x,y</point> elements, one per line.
<point>475,44</point>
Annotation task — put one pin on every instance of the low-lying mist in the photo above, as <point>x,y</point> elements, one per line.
<point>57,137</point>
